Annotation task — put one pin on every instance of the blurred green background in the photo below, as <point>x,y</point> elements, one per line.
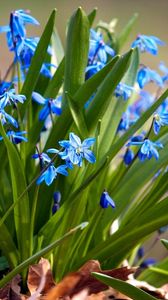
<point>153,19</point>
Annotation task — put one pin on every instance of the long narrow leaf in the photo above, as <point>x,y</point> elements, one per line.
<point>37,61</point>
<point>21,211</point>
<point>124,287</point>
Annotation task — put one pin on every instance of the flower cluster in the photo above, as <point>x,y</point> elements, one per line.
<point>10,99</point>
<point>99,52</point>
<point>148,149</point>
<point>74,153</point>
<point>145,76</point>
<point>147,43</point>
<point>23,47</point>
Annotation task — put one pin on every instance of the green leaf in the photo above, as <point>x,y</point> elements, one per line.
<point>131,74</point>
<point>81,96</point>
<point>120,243</point>
<point>92,16</point>
<point>38,255</point>
<point>155,278</point>
<point>51,92</point>
<point>56,81</point>
<point>76,54</point>
<point>140,122</point>
<point>114,151</point>
<point>129,185</point>
<point>145,201</point>
<point>159,271</point>
<point>7,246</point>
<point>37,61</point>
<point>57,47</point>
<point>123,287</point>
<point>98,107</point>
<point>165,243</point>
<point>78,116</point>
<point>53,222</point>
<point>124,35</point>
<point>3,263</point>
<point>21,211</point>
<point>115,110</point>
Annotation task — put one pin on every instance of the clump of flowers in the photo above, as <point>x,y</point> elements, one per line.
<point>77,137</point>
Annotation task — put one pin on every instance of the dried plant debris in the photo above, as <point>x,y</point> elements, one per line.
<point>40,279</point>
<point>76,282</point>
<point>12,290</point>
<point>80,285</point>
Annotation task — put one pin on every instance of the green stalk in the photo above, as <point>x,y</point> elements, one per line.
<point>19,77</point>
<point>33,215</point>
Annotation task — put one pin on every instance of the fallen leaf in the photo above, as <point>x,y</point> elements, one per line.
<point>40,279</point>
<point>83,295</point>
<point>76,282</point>
<point>158,293</point>
<point>63,288</point>
<point>12,290</point>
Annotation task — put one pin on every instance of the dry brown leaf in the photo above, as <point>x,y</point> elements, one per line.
<point>40,278</point>
<point>158,293</point>
<point>115,295</point>
<point>63,288</point>
<point>12,290</point>
<point>83,295</point>
<point>78,281</point>
<point>5,292</point>
<point>99,296</point>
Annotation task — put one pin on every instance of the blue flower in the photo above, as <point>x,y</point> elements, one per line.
<point>57,199</point>
<point>42,156</point>
<point>46,69</point>
<point>164,69</point>
<point>141,252</point>
<point>163,108</point>
<point>106,200</point>
<point>67,160</point>
<point>51,173</point>
<point>137,138</point>
<point>146,75</point>
<point>144,102</point>
<point>75,150</point>
<point>147,43</point>
<point>128,119</point>
<point>4,86</point>
<point>163,229</point>
<point>26,52</point>
<point>16,31</point>
<point>148,262</point>
<point>6,118</point>
<point>25,17</point>
<point>98,48</point>
<point>128,157</point>
<point>147,150</point>
<point>9,97</point>
<point>15,137</point>
<point>93,68</point>
<point>159,120</point>
<point>50,105</point>
<point>123,90</point>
